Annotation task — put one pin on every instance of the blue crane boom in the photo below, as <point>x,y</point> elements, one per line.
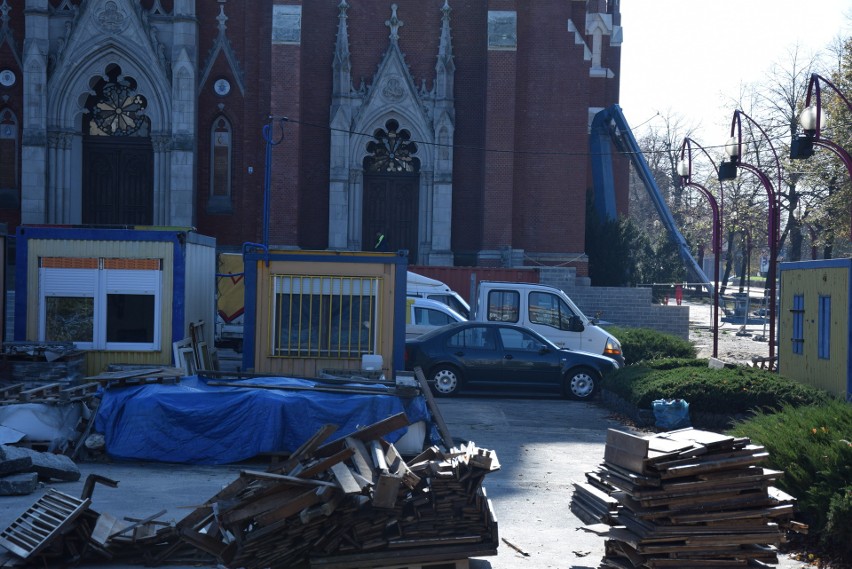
<point>610,128</point>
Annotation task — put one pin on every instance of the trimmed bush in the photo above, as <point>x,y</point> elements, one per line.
<point>732,391</point>
<point>642,344</point>
<point>812,446</point>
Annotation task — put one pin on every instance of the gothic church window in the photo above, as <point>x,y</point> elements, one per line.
<point>392,151</point>
<point>8,151</point>
<point>220,164</point>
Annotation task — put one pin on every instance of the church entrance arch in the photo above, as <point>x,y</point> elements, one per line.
<point>118,158</point>
<point>392,190</point>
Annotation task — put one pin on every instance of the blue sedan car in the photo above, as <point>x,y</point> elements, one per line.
<point>503,357</point>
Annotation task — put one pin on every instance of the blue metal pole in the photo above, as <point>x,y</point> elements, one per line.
<point>267,177</point>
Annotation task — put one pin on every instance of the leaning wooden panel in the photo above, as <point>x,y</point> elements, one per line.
<point>42,522</point>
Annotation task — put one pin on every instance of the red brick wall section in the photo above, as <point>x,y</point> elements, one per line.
<point>249,33</point>
<point>469,28</point>
<point>286,74</point>
<point>551,131</point>
<point>499,156</point>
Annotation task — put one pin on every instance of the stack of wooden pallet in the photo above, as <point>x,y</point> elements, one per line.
<point>685,499</point>
<point>351,502</point>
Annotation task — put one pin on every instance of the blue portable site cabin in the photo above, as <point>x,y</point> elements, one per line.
<point>122,295</point>
<point>307,311</point>
<point>815,312</point>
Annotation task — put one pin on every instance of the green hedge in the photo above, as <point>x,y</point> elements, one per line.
<point>732,391</point>
<point>642,344</point>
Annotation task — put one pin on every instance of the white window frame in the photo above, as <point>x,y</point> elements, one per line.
<point>98,284</point>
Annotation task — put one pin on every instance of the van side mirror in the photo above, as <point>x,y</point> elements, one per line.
<point>575,324</point>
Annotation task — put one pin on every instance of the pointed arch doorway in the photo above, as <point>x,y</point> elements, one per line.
<point>118,157</point>
<point>392,190</point>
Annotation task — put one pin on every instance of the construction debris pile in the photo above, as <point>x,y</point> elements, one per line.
<point>349,503</point>
<point>21,469</point>
<point>685,498</point>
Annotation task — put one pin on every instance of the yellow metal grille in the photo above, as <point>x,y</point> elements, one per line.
<point>324,316</point>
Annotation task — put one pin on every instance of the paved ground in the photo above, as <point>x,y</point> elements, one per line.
<point>543,446</point>
<point>739,340</point>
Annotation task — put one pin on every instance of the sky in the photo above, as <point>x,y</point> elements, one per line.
<point>689,58</point>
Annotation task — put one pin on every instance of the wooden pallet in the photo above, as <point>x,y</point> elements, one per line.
<point>41,522</point>
<point>48,393</point>
<point>136,377</point>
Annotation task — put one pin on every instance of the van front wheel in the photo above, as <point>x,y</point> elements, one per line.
<point>446,380</point>
<point>581,383</point>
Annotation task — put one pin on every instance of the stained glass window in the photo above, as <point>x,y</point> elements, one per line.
<point>392,151</point>
<point>117,109</point>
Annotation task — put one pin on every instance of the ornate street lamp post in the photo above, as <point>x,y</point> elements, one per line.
<point>811,120</point>
<point>728,171</point>
<point>684,170</point>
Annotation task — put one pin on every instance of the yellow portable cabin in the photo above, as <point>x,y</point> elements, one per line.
<point>814,320</point>
<point>306,311</point>
<point>121,295</point>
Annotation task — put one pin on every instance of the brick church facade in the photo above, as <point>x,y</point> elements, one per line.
<point>457,128</point>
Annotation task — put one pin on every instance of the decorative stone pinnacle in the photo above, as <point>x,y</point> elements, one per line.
<point>394,24</point>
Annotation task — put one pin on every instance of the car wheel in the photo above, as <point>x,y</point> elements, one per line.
<point>446,381</point>
<point>581,383</point>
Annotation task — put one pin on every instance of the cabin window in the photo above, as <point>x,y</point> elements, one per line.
<point>824,324</point>
<point>324,316</point>
<point>504,305</point>
<point>101,303</point>
<point>798,311</point>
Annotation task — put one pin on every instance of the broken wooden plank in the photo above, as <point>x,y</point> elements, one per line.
<point>433,408</point>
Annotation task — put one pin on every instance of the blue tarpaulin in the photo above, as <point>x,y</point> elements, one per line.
<point>196,423</point>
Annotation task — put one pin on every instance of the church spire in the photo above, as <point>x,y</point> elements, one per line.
<point>342,64</point>
<point>445,68</point>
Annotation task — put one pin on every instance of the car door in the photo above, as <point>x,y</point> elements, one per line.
<point>528,364</point>
<point>474,350</point>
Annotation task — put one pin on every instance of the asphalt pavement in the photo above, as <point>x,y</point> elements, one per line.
<point>543,446</point>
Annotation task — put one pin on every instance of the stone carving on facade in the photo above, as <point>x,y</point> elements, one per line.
<point>111,18</point>
<point>393,90</point>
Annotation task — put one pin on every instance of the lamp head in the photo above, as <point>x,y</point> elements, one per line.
<point>732,148</point>
<point>808,118</point>
<point>683,168</point>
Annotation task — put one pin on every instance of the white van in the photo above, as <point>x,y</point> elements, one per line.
<point>423,287</point>
<point>423,315</point>
<point>548,311</point>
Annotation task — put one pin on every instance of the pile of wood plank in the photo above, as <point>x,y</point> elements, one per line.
<point>350,503</point>
<point>685,499</point>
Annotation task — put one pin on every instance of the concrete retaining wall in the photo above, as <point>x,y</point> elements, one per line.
<point>622,306</point>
